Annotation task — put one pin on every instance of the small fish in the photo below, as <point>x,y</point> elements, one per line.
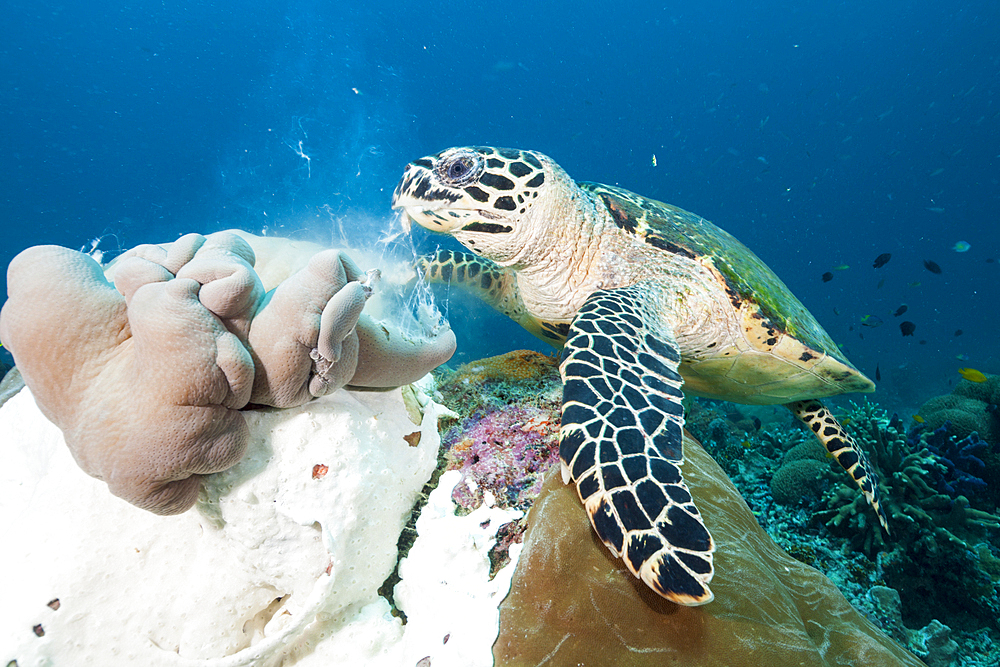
<point>845,421</point>
<point>871,321</point>
<point>939,170</point>
<point>918,419</point>
<point>972,375</point>
<point>836,311</point>
<point>932,266</point>
<point>961,246</point>
<point>907,328</point>
<point>878,374</point>
<point>899,311</point>
<point>916,284</point>
<point>935,209</point>
<point>827,277</point>
<point>962,357</point>
<point>958,332</point>
<point>842,267</point>
<point>882,260</point>
<point>653,161</point>
<point>756,423</point>
<point>880,283</point>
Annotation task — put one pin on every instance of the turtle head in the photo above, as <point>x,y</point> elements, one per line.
<point>487,198</point>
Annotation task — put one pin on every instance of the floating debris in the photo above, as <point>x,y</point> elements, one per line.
<point>907,328</point>
<point>932,266</point>
<point>882,260</point>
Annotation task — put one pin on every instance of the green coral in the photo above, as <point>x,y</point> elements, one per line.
<point>968,409</point>
<point>799,479</point>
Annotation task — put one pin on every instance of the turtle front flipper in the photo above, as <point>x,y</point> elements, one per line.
<point>836,440</point>
<point>492,283</point>
<point>621,442</point>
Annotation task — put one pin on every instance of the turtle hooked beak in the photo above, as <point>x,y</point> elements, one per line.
<point>423,200</point>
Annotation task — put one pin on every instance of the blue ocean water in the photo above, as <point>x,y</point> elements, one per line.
<point>821,134</point>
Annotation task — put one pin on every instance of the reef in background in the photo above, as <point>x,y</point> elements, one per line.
<point>938,571</point>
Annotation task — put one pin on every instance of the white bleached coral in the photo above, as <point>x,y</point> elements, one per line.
<point>279,563</point>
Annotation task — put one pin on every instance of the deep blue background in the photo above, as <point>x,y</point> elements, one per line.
<point>821,134</point>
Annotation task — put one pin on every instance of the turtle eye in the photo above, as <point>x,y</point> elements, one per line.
<point>460,169</point>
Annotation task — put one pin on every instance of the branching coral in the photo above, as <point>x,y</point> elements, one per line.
<point>933,533</point>
<point>907,469</point>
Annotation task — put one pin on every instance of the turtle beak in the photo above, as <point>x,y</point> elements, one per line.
<point>423,200</point>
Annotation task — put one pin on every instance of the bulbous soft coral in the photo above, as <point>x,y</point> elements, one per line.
<point>146,381</point>
<point>146,391</point>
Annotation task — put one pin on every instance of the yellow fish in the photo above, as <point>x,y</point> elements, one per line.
<point>972,375</point>
<point>918,419</point>
<point>653,161</point>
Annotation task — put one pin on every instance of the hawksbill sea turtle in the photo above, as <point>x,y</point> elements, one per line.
<point>646,298</point>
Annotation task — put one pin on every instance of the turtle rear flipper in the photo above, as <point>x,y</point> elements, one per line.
<point>621,443</point>
<point>851,458</point>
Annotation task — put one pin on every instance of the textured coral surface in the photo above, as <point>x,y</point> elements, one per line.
<point>573,603</point>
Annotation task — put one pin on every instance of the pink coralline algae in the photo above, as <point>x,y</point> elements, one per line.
<point>506,452</point>
<point>508,437</point>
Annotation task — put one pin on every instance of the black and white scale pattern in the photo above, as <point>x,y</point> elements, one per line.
<point>844,449</point>
<point>621,443</point>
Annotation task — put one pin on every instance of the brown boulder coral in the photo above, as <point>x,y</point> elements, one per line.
<point>573,603</point>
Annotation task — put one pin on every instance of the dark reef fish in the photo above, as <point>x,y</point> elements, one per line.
<point>900,311</point>
<point>827,277</point>
<point>958,332</point>
<point>882,260</point>
<point>907,328</point>
<point>932,266</point>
